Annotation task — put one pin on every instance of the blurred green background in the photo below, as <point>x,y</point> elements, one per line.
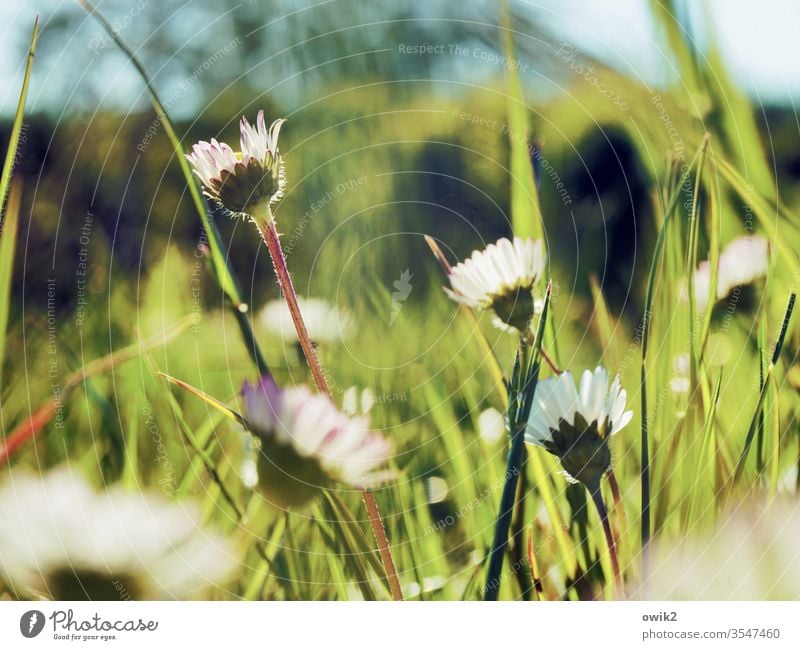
<point>397,127</point>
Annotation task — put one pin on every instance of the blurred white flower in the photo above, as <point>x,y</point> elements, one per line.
<point>429,585</point>
<point>751,555</point>
<point>680,385</point>
<point>502,278</point>
<point>574,424</point>
<point>355,402</point>
<point>491,425</point>
<point>436,489</point>
<point>239,180</point>
<point>61,539</point>
<point>680,363</point>
<point>744,261</point>
<point>680,382</point>
<point>787,482</point>
<point>307,443</point>
<point>325,322</point>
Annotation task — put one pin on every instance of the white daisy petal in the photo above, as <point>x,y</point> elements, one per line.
<point>499,272</point>
<point>239,180</point>
<point>311,426</point>
<point>558,399</point>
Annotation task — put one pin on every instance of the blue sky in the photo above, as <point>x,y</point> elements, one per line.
<point>758,41</point>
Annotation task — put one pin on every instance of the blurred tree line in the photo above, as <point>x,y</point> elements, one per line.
<point>377,147</point>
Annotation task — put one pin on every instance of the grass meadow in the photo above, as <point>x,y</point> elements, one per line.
<point>133,312</point>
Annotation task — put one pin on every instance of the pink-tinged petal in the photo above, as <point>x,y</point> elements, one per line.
<point>315,429</point>
<point>263,404</point>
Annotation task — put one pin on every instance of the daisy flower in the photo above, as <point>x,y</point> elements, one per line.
<point>307,443</point>
<point>575,423</point>
<point>240,179</point>
<point>61,539</point>
<point>501,278</point>
<point>325,322</point>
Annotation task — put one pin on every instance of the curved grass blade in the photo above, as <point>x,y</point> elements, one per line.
<point>10,218</point>
<point>220,266</point>
<point>8,241</point>
<point>208,399</point>
<point>669,210</point>
<point>39,419</point>
<point>526,213</point>
<point>16,128</point>
<point>751,431</point>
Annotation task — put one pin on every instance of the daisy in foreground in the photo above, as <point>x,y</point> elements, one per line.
<point>575,425</point>
<point>502,278</point>
<point>61,539</point>
<point>241,180</point>
<point>325,322</point>
<point>750,555</point>
<point>307,443</point>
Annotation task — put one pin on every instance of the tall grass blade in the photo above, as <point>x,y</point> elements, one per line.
<point>526,213</point>
<point>16,127</point>
<point>648,304</point>
<point>221,269</point>
<point>8,242</point>
<point>751,431</point>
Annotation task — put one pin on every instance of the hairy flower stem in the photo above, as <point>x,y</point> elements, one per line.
<point>269,233</point>
<point>597,497</point>
<point>262,217</point>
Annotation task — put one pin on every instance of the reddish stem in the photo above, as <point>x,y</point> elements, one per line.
<point>271,238</point>
<point>269,233</point>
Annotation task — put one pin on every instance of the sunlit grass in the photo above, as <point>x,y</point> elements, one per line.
<point>707,432</point>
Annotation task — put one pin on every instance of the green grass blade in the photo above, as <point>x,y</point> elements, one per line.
<point>10,217</point>
<point>706,462</point>
<point>16,127</point>
<point>651,284</point>
<point>8,241</point>
<point>220,267</point>
<point>751,431</point>
<point>526,213</point>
